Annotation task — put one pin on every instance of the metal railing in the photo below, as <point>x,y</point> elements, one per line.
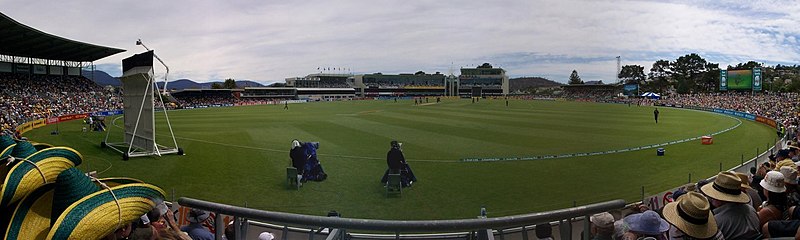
<point>340,226</point>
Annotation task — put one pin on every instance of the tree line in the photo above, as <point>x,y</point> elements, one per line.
<point>692,73</point>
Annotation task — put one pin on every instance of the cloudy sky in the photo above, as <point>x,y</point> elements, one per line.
<point>271,40</point>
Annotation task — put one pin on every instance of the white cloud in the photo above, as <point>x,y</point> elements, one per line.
<point>269,41</point>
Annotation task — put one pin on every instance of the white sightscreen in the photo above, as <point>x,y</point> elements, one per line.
<point>137,87</point>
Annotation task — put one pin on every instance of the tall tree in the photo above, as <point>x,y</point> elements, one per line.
<point>216,86</point>
<point>687,70</point>
<point>660,75</point>
<point>745,66</point>
<point>632,74</point>
<point>229,84</point>
<point>709,82</point>
<point>574,78</point>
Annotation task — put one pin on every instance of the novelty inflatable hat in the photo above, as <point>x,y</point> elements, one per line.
<point>77,207</point>
<point>36,170</point>
<point>6,144</point>
<point>23,149</point>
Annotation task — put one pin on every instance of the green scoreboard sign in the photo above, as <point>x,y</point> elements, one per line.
<point>740,80</point>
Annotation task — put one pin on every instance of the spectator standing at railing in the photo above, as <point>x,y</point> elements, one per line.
<point>735,218</point>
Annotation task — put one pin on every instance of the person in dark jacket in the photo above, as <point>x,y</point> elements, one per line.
<point>397,164</point>
<point>298,155</point>
<point>655,114</point>
<point>395,158</point>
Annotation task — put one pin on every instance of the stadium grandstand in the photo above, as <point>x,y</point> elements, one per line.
<point>592,91</point>
<point>40,76</point>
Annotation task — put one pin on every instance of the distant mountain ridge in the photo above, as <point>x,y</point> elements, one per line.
<point>181,84</point>
<point>531,82</point>
<point>103,79</point>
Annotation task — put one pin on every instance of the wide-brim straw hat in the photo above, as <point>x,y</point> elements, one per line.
<point>745,179</point>
<point>691,214</point>
<point>36,170</point>
<point>96,212</point>
<point>726,187</point>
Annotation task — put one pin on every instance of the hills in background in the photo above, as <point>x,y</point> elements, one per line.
<point>103,79</point>
<point>189,84</point>
<point>524,83</point>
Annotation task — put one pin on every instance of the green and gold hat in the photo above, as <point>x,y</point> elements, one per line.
<point>36,170</point>
<point>6,144</point>
<point>76,207</point>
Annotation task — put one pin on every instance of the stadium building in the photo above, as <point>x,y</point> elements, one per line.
<point>322,87</point>
<point>400,85</point>
<point>483,80</point>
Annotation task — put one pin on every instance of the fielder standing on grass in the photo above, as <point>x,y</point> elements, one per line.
<point>655,114</point>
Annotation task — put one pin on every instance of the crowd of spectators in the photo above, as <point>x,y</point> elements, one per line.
<point>762,204</point>
<point>26,97</point>
<point>197,101</point>
<point>209,101</point>
<point>781,107</point>
<point>589,94</point>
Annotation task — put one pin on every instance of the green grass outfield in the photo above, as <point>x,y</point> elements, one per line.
<point>238,155</point>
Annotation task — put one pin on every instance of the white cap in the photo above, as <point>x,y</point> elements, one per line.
<point>265,236</point>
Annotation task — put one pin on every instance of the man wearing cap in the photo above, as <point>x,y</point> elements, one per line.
<point>602,226</point>
<point>195,229</point>
<point>690,216</point>
<point>735,218</point>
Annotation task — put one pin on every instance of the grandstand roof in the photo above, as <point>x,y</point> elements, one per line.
<point>17,39</point>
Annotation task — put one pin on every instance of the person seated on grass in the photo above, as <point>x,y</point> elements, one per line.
<point>313,169</point>
<point>298,156</point>
<point>397,164</point>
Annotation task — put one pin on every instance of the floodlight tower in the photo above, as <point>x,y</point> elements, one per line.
<point>619,67</point>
